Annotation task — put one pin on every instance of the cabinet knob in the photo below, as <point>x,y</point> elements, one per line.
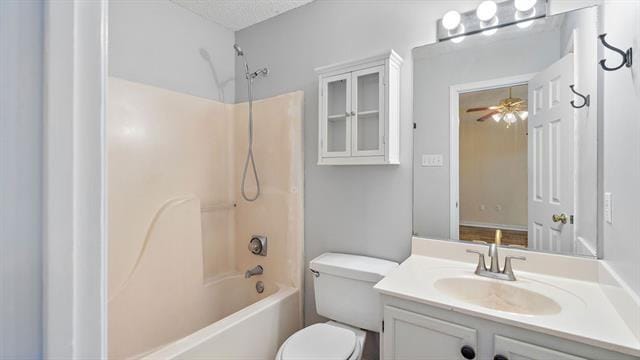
<point>500,357</point>
<point>468,352</point>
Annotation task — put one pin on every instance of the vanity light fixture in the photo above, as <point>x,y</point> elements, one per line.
<point>488,17</point>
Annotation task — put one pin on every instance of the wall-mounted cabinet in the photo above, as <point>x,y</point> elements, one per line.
<point>359,111</point>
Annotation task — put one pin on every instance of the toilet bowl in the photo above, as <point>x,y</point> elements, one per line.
<point>343,291</point>
<point>330,340</point>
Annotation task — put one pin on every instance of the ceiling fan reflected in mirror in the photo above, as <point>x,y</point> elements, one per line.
<point>509,110</point>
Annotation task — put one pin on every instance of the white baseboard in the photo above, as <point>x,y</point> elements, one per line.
<point>494,226</point>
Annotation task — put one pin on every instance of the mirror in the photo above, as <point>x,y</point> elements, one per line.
<point>497,142</point>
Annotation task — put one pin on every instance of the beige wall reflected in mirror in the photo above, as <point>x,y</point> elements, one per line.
<point>497,144</point>
<point>488,148</point>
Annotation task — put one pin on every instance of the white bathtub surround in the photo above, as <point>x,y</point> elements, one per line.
<point>595,309</point>
<point>178,232</point>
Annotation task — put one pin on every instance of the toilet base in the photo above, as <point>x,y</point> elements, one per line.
<point>361,336</point>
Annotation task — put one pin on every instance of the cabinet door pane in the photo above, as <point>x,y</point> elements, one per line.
<point>336,122</point>
<point>368,96</point>
<point>337,133</point>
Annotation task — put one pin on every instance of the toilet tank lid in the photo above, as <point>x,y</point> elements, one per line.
<point>350,266</point>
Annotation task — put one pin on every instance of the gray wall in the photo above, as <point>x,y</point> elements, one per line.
<point>437,67</point>
<point>21,64</point>
<point>159,43</point>
<point>353,209</point>
<point>622,144</point>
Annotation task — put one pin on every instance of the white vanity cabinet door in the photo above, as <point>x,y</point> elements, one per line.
<point>510,349</point>
<point>412,336</point>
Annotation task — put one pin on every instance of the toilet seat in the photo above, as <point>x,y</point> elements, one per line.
<point>321,341</point>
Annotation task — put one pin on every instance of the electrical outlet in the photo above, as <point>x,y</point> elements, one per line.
<point>608,209</point>
<point>432,160</point>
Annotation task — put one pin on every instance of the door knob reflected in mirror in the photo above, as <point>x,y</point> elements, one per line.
<point>562,218</point>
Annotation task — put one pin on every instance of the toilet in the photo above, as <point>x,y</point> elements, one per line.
<point>343,290</point>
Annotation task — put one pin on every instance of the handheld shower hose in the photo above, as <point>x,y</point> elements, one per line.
<point>250,158</point>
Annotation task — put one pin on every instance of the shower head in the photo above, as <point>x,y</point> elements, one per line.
<point>239,51</point>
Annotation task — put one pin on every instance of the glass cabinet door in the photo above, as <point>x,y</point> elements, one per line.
<point>368,112</point>
<point>336,117</point>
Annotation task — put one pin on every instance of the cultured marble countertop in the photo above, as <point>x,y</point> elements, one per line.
<point>588,315</point>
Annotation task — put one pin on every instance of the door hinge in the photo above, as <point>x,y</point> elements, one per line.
<point>571,219</point>
<point>382,325</point>
<point>414,125</point>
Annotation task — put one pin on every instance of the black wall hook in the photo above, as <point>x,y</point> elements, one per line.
<point>626,55</point>
<point>586,99</point>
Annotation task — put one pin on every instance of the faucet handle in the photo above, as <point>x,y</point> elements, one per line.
<point>482,266</point>
<point>508,258</point>
<point>508,270</point>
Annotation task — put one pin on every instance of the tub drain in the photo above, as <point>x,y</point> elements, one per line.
<point>259,287</point>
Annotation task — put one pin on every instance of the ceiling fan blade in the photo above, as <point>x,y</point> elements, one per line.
<point>487,116</point>
<point>483,108</point>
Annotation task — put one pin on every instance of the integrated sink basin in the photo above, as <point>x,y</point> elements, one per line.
<point>497,295</point>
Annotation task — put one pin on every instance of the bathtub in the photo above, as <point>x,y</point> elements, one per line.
<point>244,331</point>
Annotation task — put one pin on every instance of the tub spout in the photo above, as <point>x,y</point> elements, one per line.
<point>258,270</point>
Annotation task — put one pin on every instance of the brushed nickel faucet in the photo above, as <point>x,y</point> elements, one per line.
<point>494,271</point>
<point>258,270</point>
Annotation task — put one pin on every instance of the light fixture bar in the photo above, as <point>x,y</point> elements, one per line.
<point>506,15</point>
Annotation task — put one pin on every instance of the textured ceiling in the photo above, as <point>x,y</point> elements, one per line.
<point>238,14</point>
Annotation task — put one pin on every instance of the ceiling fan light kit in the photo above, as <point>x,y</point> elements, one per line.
<point>510,110</point>
<point>489,17</point>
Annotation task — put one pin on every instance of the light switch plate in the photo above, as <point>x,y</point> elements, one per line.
<point>432,160</point>
<point>608,210</point>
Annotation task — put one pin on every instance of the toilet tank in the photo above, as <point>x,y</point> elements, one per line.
<point>343,287</point>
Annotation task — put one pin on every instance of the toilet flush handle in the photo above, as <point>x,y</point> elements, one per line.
<point>315,273</point>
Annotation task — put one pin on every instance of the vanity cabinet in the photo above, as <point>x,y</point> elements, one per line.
<point>358,111</point>
<point>413,330</point>
<point>410,335</point>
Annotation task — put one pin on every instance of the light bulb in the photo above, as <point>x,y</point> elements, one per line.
<point>524,115</point>
<point>457,39</point>
<point>489,32</point>
<point>486,10</point>
<point>497,117</point>
<point>524,24</point>
<point>510,118</point>
<point>522,16</point>
<point>525,5</point>
<point>451,20</point>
